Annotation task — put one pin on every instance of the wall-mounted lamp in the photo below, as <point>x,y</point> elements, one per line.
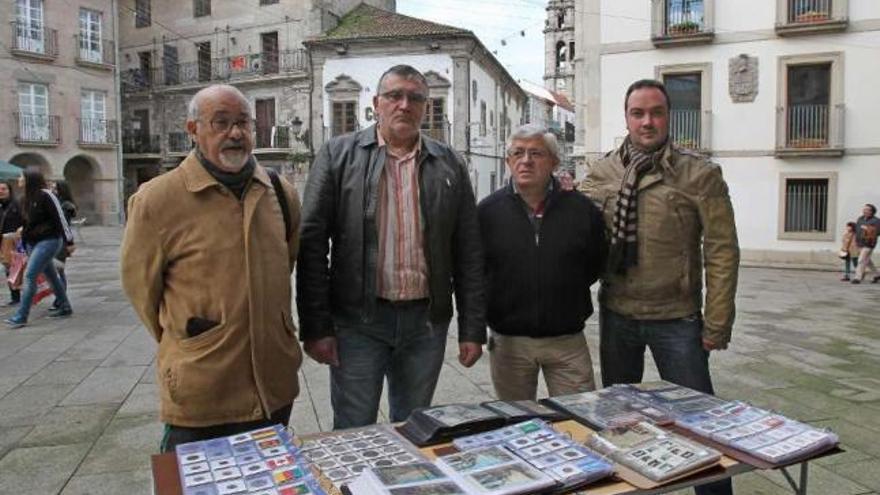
<point>341,49</point>
<point>296,125</point>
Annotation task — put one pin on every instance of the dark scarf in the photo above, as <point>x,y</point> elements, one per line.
<point>237,182</point>
<point>624,251</point>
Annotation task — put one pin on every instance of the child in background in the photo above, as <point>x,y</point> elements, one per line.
<point>849,247</point>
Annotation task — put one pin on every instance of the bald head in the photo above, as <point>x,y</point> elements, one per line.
<point>211,92</point>
<point>221,125</point>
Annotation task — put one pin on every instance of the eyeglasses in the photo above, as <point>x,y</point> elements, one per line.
<point>222,124</point>
<point>517,153</point>
<point>396,95</point>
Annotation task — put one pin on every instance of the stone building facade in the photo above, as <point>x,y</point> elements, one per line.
<point>169,50</point>
<point>59,97</point>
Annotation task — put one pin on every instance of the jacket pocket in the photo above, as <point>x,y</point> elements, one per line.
<point>204,339</point>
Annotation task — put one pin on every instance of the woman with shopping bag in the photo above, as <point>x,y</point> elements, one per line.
<point>44,233</point>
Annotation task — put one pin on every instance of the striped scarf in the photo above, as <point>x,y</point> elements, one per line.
<point>624,251</point>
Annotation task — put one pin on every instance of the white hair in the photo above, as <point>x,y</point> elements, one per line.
<point>530,131</point>
<point>192,109</point>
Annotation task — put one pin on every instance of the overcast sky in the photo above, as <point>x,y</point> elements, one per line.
<point>493,21</point>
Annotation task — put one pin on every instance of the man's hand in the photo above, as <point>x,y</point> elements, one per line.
<point>322,350</point>
<point>708,345</point>
<point>469,353</point>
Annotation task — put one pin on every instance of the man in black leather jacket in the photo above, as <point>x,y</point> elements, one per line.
<point>396,212</point>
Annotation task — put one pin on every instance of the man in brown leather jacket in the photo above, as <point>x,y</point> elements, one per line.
<point>670,216</point>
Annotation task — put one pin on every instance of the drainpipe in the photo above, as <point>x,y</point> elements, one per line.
<point>117,81</point>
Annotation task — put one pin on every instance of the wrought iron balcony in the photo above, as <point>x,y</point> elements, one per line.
<point>37,129</point>
<point>97,132</point>
<point>33,39</point>
<point>810,16</point>
<point>809,129</point>
<point>140,143</point>
<point>95,52</point>
<point>685,128</point>
<point>179,142</point>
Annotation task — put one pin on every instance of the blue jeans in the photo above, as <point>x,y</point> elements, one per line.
<point>40,257</point>
<point>677,347</point>
<point>400,344</point>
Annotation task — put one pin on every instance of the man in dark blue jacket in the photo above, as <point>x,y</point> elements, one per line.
<point>544,247</point>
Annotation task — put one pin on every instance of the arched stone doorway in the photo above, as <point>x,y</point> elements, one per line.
<point>24,160</point>
<point>79,172</point>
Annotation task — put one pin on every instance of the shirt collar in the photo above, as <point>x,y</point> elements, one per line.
<point>409,154</point>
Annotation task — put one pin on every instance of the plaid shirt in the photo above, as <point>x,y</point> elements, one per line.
<point>402,269</point>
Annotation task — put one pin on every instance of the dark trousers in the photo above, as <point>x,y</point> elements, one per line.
<point>677,347</point>
<point>175,435</point>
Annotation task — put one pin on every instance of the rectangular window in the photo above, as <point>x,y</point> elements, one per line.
<point>142,13</point>
<point>33,107</point>
<point>482,118</point>
<point>269,42</point>
<point>30,32</point>
<point>344,117</point>
<point>684,17</point>
<point>806,205</point>
<point>204,60</point>
<point>265,111</point>
<point>685,100</point>
<point>807,11</point>
<point>93,123</point>
<point>433,125</point>
<point>90,48</point>
<point>809,105</point>
<point>170,65</point>
<point>201,8</point>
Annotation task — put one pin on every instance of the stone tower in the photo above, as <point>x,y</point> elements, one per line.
<point>559,47</point>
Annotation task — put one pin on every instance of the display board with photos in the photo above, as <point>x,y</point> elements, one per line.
<point>260,462</point>
<point>607,408</point>
<point>421,478</point>
<point>342,455</point>
<point>494,471</point>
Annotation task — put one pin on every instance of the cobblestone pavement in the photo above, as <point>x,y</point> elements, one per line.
<point>78,400</point>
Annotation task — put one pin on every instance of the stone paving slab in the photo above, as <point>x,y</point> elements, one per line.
<point>80,394</point>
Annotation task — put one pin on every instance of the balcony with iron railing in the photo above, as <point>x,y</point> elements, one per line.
<point>179,142</point>
<point>686,128</point>
<point>797,17</point>
<point>34,40</point>
<point>140,143</point>
<point>98,133</point>
<point>37,129</point>
<point>681,23</point>
<point>224,69</point>
<point>810,130</point>
<point>100,54</point>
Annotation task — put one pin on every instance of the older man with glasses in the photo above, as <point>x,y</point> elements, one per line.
<point>206,261</point>
<point>544,247</point>
<point>396,212</point>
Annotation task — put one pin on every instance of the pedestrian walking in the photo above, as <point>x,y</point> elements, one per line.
<point>68,206</point>
<point>44,233</point>
<point>849,251</point>
<point>10,221</point>
<point>867,228</point>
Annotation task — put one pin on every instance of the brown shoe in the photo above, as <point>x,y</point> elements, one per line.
<point>876,279</point>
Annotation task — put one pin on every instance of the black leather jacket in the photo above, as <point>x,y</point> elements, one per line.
<point>339,213</point>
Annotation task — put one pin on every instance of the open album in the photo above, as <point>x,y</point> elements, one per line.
<point>607,408</point>
<point>438,424</point>
<point>654,453</point>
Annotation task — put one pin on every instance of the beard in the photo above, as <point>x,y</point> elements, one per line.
<point>233,158</point>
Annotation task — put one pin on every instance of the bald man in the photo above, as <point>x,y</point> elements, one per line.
<point>206,261</point>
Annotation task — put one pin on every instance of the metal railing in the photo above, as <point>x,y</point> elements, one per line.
<point>105,54</point>
<point>34,38</point>
<point>37,128</point>
<point>220,69</point>
<point>140,143</point>
<point>807,126</point>
<point>807,11</point>
<point>806,205</point>
<point>685,128</point>
<point>683,18</point>
<point>179,142</point>
<point>97,131</point>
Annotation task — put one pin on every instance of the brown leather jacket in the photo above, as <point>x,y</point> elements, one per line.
<point>192,250</point>
<point>685,222</point>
